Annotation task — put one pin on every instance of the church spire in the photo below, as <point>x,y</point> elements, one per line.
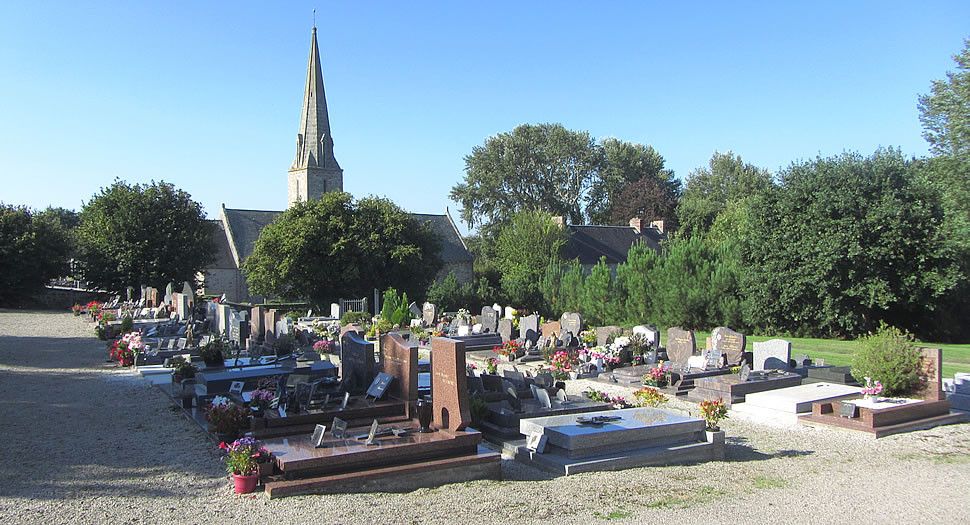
<point>314,145</point>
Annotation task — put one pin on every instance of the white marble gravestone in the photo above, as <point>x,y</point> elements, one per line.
<point>772,355</point>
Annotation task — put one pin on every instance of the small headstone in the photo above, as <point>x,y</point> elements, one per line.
<point>429,314</point>
<point>505,329</point>
<point>512,396</point>
<point>772,355</point>
<point>572,323</point>
<point>551,329</point>
<point>730,343</point>
<point>848,410</point>
<point>514,375</point>
<point>489,320</point>
<point>680,345</point>
<point>543,397</point>
<point>317,437</point>
<point>744,373</point>
<point>529,328</point>
<point>492,383</point>
<point>650,333</point>
<point>603,334</point>
<point>509,312</point>
<point>561,396</point>
<point>415,310</point>
<point>801,360</point>
<point>476,385</point>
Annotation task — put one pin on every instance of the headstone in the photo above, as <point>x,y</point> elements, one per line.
<point>801,360</point>
<point>561,396</point>
<point>510,312</point>
<point>492,383</point>
<point>429,313</point>
<point>514,375</point>
<point>415,310</point>
<point>680,345</point>
<point>543,398</point>
<point>930,387</point>
<point>222,314</point>
<point>551,328</point>
<point>572,323</point>
<point>603,334</point>
<point>401,362</point>
<point>335,310</point>
<point>529,328</point>
<point>356,362</point>
<point>730,343</point>
<point>545,380</point>
<point>169,290</point>
<point>256,327</point>
<point>489,320</point>
<point>772,355</point>
<point>712,359</point>
<point>183,306</point>
<point>475,385</point>
<point>505,329</point>
<point>449,384</point>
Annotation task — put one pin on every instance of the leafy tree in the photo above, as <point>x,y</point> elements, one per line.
<point>334,246</point>
<point>709,190</point>
<point>535,167</point>
<point>945,111</point>
<point>627,164</point>
<point>34,249</point>
<point>845,242</point>
<point>449,295</point>
<point>149,234</point>
<point>531,241</point>
<point>648,200</point>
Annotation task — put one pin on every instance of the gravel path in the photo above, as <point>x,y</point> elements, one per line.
<point>86,442</point>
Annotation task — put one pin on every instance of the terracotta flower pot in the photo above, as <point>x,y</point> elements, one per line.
<point>245,484</point>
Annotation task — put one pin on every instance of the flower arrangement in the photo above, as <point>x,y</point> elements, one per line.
<point>561,366</point>
<point>469,369</point>
<point>464,315</point>
<point>76,309</point>
<point>268,383</point>
<point>872,388</point>
<point>617,402</point>
<point>713,411</point>
<point>509,349</point>
<point>657,376</point>
<point>491,365</point>
<point>588,337</point>
<point>104,317</point>
<point>94,308</point>
<point>650,397</point>
<point>324,346</point>
<point>225,416</point>
<point>126,348</point>
<point>243,456</point>
<point>261,399</point>
<point>182,369</point>
<point>213,351</point>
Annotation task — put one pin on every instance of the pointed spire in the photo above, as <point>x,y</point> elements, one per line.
<point>314,145</point>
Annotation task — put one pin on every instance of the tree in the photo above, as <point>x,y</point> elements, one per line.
<point>149,234</point>
<point>34,249</point>
<point>845,242</point>
<point>627,164</point>
<point>449,296</point>
<point>541,167</point>
<point>945,111</point>
<point>645,199</point>
<point>639,277</point>
<point>601,297</point>
<point>332,247</point>
<point>709,190</point>
<point>531,241</point>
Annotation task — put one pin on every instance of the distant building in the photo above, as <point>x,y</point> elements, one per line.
<point>314,171</point>
<point>589,243</point>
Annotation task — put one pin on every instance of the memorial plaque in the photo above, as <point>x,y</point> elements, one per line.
<point>529,328</point>
<point>680,345</point>
<point>730,343</point>
<point>713,359</point>
<point>848,410</point>
<point>744,373</point>
<point>372,435</point>
<point>339,428</point>
<point>514,375</point>
<point>450,383</point>
<point>317,437</point>
<point>544,397</point>
<point>236,387</point>
<point>379,386</point>
<point>536,443</point>
<point>561,396</point>
<point>772,355</point>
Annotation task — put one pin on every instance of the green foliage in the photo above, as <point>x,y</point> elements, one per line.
<point>632,183</point>
<point>709,190</point>
<point>600,297</point>
<point>395,308</point>
<point>945,112</point>
<point>530,242</point>
<point>150,234</point>
<point>127,324</point>
<point>648,200</point>
<point>284,344</point>
<point>845,242</point>
<point>534,167</point>
<point>478,408</point>
<point>449,296</point>
<point>361,318</point>
<point>34,249</point>
<point>639,276</point>
<point>332,247</point>
<point>890,356</point>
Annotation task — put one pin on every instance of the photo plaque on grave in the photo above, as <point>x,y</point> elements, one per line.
<point>848,410</point>
<point>236,387</point>
<point>372,436</point>
<point>536,443</point>
<point>379,386</point>
<point>339,428</point>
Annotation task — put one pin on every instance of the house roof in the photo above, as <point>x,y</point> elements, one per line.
<point>589,243</point>
<point>245,226</point>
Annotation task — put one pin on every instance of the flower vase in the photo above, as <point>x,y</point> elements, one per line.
<point>245,484</point>
<point>425,414</point>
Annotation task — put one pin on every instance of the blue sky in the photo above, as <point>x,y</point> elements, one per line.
<point>207,95</point>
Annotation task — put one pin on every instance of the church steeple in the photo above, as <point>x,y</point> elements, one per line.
<point>314,170</point>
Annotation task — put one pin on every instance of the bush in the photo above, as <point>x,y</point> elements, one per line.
<point>478,409</point>
<point>361,318</point>
<point>889,356</point>
<point>127,324</point>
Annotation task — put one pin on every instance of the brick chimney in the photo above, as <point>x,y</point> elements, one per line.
<point>658,224</point>
<point>558,219</point>
<point>637,224</point>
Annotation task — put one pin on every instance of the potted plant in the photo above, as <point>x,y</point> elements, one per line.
<point>77,310</point>
<point>261,400</point>
<point>650,397</point>
<point>243,458</point>
<point>183,379</point>
<point>125,350</point>
<point>491,366</point>
<point>588,337</point>
<point>324,346</point>
<point>213,353</point>
<point>657,376</point>
<point>509,350</point>
<point>713,411</point>
<point>872,389</point>
<point>226,418</point>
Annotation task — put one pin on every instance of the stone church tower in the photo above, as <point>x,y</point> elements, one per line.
<point>315,170</point>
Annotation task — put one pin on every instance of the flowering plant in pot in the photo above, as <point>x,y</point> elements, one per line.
<point>657,376</point>
<point>713,411</point>
<point>243,458</point>
<point>509,349</point>
<point>76,309</point>
<point>561,365</point>
<point>470,369</point>
<point>213,353</point>
<point>261,399</point>
<point>491,365</point>
<point>324,346</point>
<point>225,416</point>
<point>872,388</point>
<point>650,397</point>
<point>125,349</point>
<point>181,369</point>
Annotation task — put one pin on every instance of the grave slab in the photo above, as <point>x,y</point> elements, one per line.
<point>784,405</point>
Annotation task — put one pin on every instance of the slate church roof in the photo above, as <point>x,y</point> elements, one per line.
<point>588,243</point>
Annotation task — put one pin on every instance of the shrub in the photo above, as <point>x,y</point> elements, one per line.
<point>127,324</point>
<point>889,356</point>
<point>478,409</point>
<point>361,318</point>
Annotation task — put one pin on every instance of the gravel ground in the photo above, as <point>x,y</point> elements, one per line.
<point>85,442</point>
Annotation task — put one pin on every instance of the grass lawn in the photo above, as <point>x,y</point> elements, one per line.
<point>956,358</point>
